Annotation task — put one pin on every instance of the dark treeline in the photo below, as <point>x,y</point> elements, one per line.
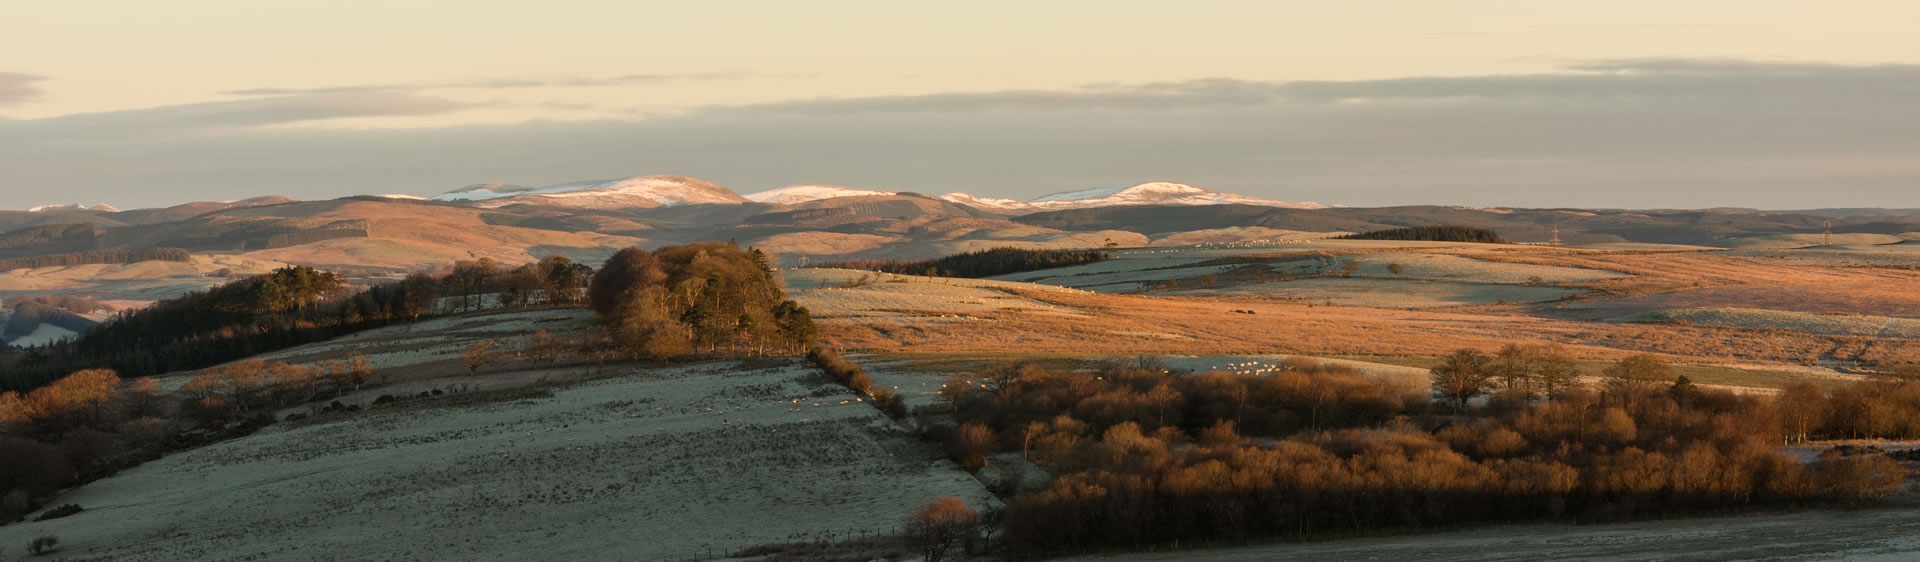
<point>28,316</point>
<point>855,378</point>
<point>984,263</point>
<point>311,236</point>
<point>72,237</point>
<point>1144,457</point>
<point>285,308</point>
<point>706,297</point>
<point>1438,233</point>
<point>69,303</point>
<point>97,257</point>
<point>243,318</point>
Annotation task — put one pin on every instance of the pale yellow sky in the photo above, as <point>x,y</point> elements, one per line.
<point>1620,103</point>
<point>113,55</point>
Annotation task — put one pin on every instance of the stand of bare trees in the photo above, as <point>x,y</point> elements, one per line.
<point>1145,457</point>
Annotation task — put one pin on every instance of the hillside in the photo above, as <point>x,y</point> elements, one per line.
<point>1520,225</point>
<point>526,460</point>
<point>374,235</point>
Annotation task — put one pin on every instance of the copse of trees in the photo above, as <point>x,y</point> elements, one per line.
<point>698,298</point>
<point>1516,374</point>
<point>69,303</point>
<point>984,263</point>
<point>71,431</point>
<point>91,423</point>
<point>554,280</point>
<point>287,307</point>
<point>1437,233</point>
<point>1143,456</point>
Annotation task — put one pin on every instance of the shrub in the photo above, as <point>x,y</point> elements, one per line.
<point>44,545</point>
<point>971,444</point>
<point>940,526</point>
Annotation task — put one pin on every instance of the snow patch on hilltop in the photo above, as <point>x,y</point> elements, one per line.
<point>797,194</point>
<point>103,207</point>
<point>638,191</point>
<point>1155,193</point>
<point>989,203</point>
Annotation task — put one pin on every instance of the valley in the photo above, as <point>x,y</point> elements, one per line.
<point>595,452</point>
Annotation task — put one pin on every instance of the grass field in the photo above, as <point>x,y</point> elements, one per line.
<point>659,464</point>
<point>1388,292</point>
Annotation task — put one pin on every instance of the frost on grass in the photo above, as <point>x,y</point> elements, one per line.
<point>1391,293</point>
<point>670,465</point>
<point>1749,318</point>
<point>438,338</point>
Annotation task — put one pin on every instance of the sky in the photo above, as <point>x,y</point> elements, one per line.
<point>1622,104</point>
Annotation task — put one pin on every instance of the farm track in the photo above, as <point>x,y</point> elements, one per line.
<point>1879,534</point>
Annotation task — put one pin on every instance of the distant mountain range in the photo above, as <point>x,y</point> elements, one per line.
<point>635,192</point>
<point>589,220</point>
<point>668,191</point>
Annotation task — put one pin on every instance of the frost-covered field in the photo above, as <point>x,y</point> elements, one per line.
<point>1135,270</point>
<point>1872,535</point>
<point>1904,255</point>
<point>1389,293</point>
<point>819,278</point>
<point>907,298</point>
<point>1450,267</point>
<point>1843,325</point>
<point>42,335</point>
<point>690,462</point>
<point>439,338</point>
<point>1125,280</point>
<point>1124,263</point>
<point>1412,377</point>
<point>1786,241</point>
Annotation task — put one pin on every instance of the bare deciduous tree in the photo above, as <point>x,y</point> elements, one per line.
<point>478,355</point>
<point>940,526</point>
<point>1461,376</point>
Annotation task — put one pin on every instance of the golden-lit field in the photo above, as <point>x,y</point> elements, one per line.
<point>1733,319</point>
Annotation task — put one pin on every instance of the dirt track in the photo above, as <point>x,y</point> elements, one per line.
<point>1883,534</point>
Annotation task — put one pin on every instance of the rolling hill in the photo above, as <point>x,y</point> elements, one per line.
<point>382,235</point>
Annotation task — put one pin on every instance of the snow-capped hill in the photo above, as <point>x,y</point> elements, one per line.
<point>482,192</point>
<point>637,191</point>
<point>797,194</point>
<point>1155,193</point>
<point>989,203</point>
<point>103,207</point>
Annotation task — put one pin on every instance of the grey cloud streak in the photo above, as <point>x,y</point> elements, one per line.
<point>16,87</point>
<point>1652,133</point>
<point>499,84</point>
<point>237,114</point>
